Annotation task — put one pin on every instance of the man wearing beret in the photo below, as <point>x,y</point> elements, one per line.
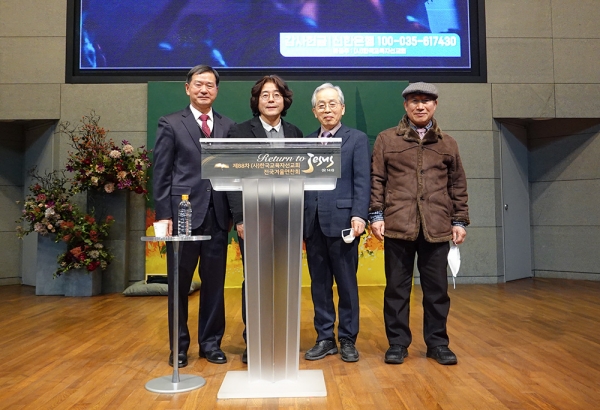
<point>418,203</point>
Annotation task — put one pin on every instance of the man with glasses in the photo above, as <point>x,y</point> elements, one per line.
<point>326,215</point>
<point>270,99</point>
<point>418,203</point>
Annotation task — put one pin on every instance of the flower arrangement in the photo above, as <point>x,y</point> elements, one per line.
<point>47,205</point>
<point>48,211</point>
<point>99,163</point>
<point>84,235</point>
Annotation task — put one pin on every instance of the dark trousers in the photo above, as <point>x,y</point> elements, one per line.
<point>399,264</point>
<point>332,259</point>
<point>213,259</point>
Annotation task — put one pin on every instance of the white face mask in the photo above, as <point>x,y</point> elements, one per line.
<point>454,261</point>
<point>348,235</point>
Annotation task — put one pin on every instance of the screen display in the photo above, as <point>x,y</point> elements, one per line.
<point>296,36</point>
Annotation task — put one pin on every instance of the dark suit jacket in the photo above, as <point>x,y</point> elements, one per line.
<point>253,128</point>
<point>177,158</point>
<point>352,193</point>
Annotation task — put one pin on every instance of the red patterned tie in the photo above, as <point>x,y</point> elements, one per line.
<point>204,126</point>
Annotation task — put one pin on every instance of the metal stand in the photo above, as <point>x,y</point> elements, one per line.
<point>175,383</point>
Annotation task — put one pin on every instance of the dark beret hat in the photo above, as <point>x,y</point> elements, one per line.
<point>420,88</point>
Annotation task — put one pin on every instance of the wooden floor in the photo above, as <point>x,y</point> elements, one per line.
<point>530,344</point>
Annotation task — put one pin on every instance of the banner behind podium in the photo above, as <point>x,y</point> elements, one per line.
<point>371,106</point>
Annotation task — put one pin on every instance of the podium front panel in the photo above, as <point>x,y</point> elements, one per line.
<point>273,266</point>
<point>225,161</point>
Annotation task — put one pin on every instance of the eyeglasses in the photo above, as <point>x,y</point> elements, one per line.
<point>416,101</point>
<point>266,96</point>
<point>331,104</point>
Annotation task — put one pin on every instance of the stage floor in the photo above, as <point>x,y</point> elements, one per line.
<point>529,344</point>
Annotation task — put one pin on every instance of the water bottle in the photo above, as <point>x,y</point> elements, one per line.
<point>184,217</point>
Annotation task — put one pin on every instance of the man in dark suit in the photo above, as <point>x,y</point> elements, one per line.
<point>269,101</point>
<point>326,214</point>
<point>177,161</point>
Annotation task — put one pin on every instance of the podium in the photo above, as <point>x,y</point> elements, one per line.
<point>272,175</point>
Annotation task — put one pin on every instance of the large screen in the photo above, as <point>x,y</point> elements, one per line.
<point>342,39</point>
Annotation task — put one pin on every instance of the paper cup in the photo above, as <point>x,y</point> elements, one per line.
<point>160,229</point>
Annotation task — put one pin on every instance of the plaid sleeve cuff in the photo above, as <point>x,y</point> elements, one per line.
<point>375,216</point>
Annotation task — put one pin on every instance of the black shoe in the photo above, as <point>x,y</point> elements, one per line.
<point>348,350</point>
<point>182,362</point>
<point>245,356</point>
<point>214,356</point>
<point>442,355</point>
<point>321,349</point>
<point>396,354</point>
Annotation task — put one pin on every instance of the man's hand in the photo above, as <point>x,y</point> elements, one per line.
<point>458,234</point>
<point>358,227</point>
<point>240,230</point>
<point>378,229</point>
<point>169,226</point>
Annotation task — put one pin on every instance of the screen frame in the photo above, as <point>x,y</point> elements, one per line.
<point>476,74</point>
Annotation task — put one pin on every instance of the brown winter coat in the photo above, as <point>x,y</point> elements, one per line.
<point>418,183</point>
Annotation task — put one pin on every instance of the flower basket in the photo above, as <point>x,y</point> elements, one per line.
<point>68,238</point>
<point>47,205</point>
<point>99,163</point>
<point>108,172</point>
<point>84,236</point>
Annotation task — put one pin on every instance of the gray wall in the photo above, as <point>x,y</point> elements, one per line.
<point>12,148</point>
<point>565,193</point>
<point>541,64</point>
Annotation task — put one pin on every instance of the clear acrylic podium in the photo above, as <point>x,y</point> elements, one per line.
<point>272,174</point>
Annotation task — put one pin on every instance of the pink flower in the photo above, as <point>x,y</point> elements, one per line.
<point>115,154</point>
<point>110,187</point>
